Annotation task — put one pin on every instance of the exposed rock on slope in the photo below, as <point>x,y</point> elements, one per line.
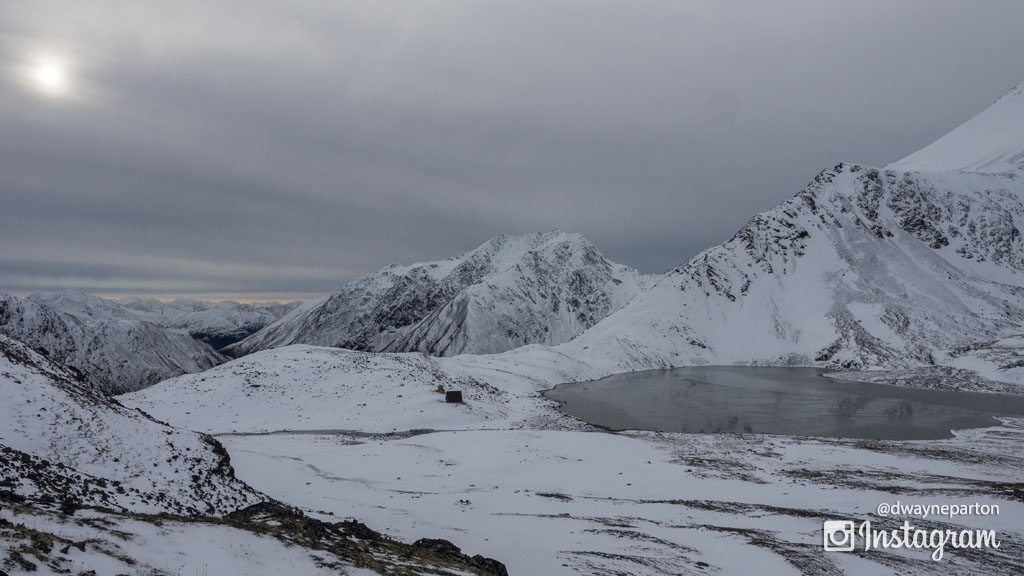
<point>513,290</point>
<point>116,350</point>
<point>219,324</point>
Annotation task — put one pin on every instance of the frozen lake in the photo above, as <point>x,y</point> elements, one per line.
<point>771,400</point>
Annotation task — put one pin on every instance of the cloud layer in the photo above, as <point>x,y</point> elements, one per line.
<point>244,147</point>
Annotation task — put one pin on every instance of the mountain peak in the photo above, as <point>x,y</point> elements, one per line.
<point>531,240</point>
<point>992,142</point>
<point>514,289</point>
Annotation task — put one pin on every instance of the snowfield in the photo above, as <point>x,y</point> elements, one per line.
<point>315,388</point>
<point>575,502</point>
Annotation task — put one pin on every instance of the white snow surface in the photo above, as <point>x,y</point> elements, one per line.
<point>64,439</point>
<point>170,547</point>
<point>991,142</point>
<point>114,348</point>
<point>543,288</point>
<point>573,502</point>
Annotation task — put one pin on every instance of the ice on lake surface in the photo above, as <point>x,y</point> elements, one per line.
<point>771,400</point>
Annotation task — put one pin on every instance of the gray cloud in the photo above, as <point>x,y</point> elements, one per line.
<point>258,147</point>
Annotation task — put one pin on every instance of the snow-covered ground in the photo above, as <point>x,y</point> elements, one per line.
<point>576,502</point>
<point>109,544</point>
<point>311,387</point>
<point>89,484</point>
<point>508,476</point>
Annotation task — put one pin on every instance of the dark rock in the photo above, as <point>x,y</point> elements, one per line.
<point>453,396</point>
<point>11,496</point>
<point>490,565</point>
<point>69,507</point>
<point>438,547</point>
<point>357,529</point>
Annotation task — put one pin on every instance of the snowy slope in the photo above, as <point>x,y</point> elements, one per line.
<point>540,288</point>
<point>90,486</point>
<point>219,324</point>
<point>991,142</point>
<point>63,439</point>
<point>114,348</point>
<point>864,268</point>
<point>303,387</point>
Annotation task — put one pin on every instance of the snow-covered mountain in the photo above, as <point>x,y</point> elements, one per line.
<point>903,266</point>
<point>64,440</point>
<point>863,268</point>
<point>219,324</point>
<point>115,349</point>
<point>992,142</point>
<point>543,288</point>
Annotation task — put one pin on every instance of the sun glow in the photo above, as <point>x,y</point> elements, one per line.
<point>49,76</point>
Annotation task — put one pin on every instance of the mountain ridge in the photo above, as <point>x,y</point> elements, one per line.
<point>512,290</point>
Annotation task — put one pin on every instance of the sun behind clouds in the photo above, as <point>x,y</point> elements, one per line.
<point>49,75</point>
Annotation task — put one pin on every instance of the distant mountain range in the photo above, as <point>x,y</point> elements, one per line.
<point>120,348</point>
<point>219,324</point>
<point>115,349</point>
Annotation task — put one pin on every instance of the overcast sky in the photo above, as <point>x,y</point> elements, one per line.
<point>270,149</point>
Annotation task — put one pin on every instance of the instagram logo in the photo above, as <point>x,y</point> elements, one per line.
<point>838,536</point>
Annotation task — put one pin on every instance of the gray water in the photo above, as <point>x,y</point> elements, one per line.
<point>791,401</point>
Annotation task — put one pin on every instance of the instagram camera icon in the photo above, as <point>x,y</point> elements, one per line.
<point>838,536</point>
